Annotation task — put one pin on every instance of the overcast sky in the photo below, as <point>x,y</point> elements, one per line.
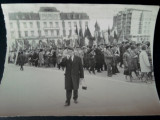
<point>93,10</point>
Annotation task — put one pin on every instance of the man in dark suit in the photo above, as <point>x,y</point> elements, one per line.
<point>21,60</point>
<point>74,72</point>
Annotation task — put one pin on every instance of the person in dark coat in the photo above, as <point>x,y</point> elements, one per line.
<point>134,60</point>
<point>17,62</point>
<point>99,59</point>
<point>122,50</point>
<point>21,60</point>
<point>74,72</point>
<point>150,59</point>
<point>59,58</point>
<point>92,62</point>
<point>138,51</point>
<point>86,59</point>
<point>30,60</point>
<point>35,58</point>
<point>54,57</point>
<point>127,60</point>
<point>108,58</point>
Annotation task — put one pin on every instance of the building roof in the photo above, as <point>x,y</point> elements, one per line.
<point>48,9</point>
<point>73,16</point>
<point>24,16</point>
<point>129,9</point>
<point>35,16</point>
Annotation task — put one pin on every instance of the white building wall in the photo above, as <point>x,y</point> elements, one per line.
<point>135,25</point>
<point>13,29</point>
<point>146,23</point>
<point>28,28</point>
<point>42,28</point>
<point>73,28</point>
<point>135,20</point>
<point>49,28</point>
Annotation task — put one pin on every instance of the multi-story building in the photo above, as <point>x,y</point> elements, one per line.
<point>48,23</point>
<point>133,24</point>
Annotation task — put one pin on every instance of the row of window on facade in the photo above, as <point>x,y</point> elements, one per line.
<point>129,21</point>
<point>50,24</point>
<point>53,33</point>
<point>32,33</point>
<point>49,16</point>
<point>144,31</point>
<point>38,24</point>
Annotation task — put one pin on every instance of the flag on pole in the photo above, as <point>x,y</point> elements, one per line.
<point>76,31</point>
<point>109,31</point>
<point>81,37</point>
<point>87,34</point>
<point>115,36</point>
<point>77,41</point>
<point>97,33</point>
<point>20,43</point>
<point>97,28</point>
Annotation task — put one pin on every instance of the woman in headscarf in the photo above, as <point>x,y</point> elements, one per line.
<point>127,60</point>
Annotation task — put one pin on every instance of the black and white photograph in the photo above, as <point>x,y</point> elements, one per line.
<point>79,60</point>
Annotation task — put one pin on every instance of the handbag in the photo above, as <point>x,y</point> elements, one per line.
<point>84,85</point>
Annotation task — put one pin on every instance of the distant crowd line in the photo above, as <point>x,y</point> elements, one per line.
<point>133,57</point>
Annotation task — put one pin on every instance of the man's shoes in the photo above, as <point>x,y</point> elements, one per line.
<point>75,101</point>
<point>67,104</point>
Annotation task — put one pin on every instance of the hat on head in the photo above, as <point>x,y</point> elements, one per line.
<point>107,46</point>
<point>144,47</point>
<point>133,47</point>
<point>127,46</point>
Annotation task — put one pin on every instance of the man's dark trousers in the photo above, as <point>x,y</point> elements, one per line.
<point>69,95</point>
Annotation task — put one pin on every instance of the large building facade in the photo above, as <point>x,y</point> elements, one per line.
<point>133,24</point>
<point>48,23</point>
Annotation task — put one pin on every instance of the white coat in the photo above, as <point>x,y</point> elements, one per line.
<point>144,62</point>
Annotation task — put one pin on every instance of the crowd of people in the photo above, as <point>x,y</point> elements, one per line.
<point>132,57</point>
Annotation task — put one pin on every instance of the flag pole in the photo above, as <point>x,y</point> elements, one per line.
<point>17,54</point>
